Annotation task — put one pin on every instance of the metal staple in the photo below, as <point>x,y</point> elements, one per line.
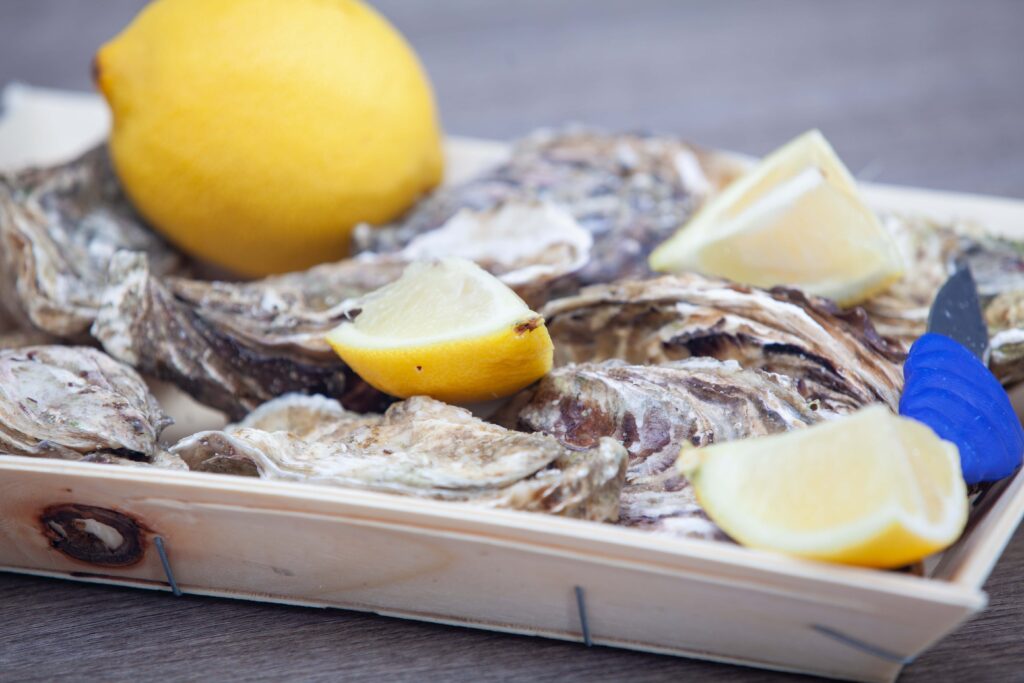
<point>875,650</point>
<point>159,543</point>
<point>581,605</point>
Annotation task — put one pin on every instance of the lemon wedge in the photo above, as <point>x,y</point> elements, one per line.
<point>794,219</point>
<point>870,489</point>
<point>446,329</point>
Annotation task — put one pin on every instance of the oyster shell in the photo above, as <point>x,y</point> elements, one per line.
<point>76,403</point>
<point>59,228</point>
<point>301,415</point>
<point>528,246</point>
<point>233,346</point>
<point>931,251</point>
<point>630,191</point>
<point>834,357</point>
<point>419,447</point>
<point>1004,314</point>
<point>654,411</point>
<point>72,244</point>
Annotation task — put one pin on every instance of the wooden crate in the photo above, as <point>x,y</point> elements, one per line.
<point>505,570</point>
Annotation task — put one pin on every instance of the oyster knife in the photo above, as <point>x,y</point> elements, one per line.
<point>947,385</point>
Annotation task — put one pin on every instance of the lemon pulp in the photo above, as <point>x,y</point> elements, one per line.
<point>871,489</point>
<point>795,219</point>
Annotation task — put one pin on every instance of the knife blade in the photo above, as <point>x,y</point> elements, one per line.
<point>947,385</point>
<point>956,313</point>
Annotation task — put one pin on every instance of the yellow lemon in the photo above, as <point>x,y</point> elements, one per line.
<point>794,219</point>
<point>871,489</point>
<point>256,133</point>
<point>446,329</point>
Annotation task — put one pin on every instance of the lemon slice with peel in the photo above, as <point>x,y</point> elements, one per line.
<point>870,489</point>
<point>794,219</point>
<point>446,329</point>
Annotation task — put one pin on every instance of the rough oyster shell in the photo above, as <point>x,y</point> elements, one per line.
<point>230,346</point>
<point>75,402</point>
<point>654,411</point>
<point>301,415</point>
<point>59,228</point>
<point>931,251</point>
<point>419,447</point>
<point>1004,314</point>
<point>528,246</point>
<point>630,191</point>
<point>834,357</point>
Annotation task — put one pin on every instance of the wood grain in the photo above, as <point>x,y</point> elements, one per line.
<point>54,630</point>
<point>917,93</point>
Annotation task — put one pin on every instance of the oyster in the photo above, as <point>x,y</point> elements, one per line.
<point>654,411</point>
<point>232,346</point>
<point>59,228</point>
<point>419,447</point>
<point>1004,314</point>
<point>67,235</point>
<point>931,251</point>
<point>630,191</point>
<point>76,403</point>
<point>301,415</point>
<point>528,246</point>
<point>834,357</point>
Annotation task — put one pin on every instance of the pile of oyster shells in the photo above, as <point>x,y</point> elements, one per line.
<point>96,308</point>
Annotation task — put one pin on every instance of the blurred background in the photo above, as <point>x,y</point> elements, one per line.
<point>919,92</point>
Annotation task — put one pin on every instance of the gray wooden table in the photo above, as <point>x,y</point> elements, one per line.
<point>923,93</point>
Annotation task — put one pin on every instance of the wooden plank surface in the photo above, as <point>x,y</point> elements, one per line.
<point>917,92</point>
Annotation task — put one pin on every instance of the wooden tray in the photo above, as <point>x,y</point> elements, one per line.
<point>504,570</point>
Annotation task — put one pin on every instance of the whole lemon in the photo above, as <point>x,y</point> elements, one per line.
<point>256,133</point>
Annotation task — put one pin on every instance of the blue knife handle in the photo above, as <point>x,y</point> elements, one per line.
<point>947,388</point>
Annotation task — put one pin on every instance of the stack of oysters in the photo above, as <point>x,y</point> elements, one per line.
<point>95,307</point>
